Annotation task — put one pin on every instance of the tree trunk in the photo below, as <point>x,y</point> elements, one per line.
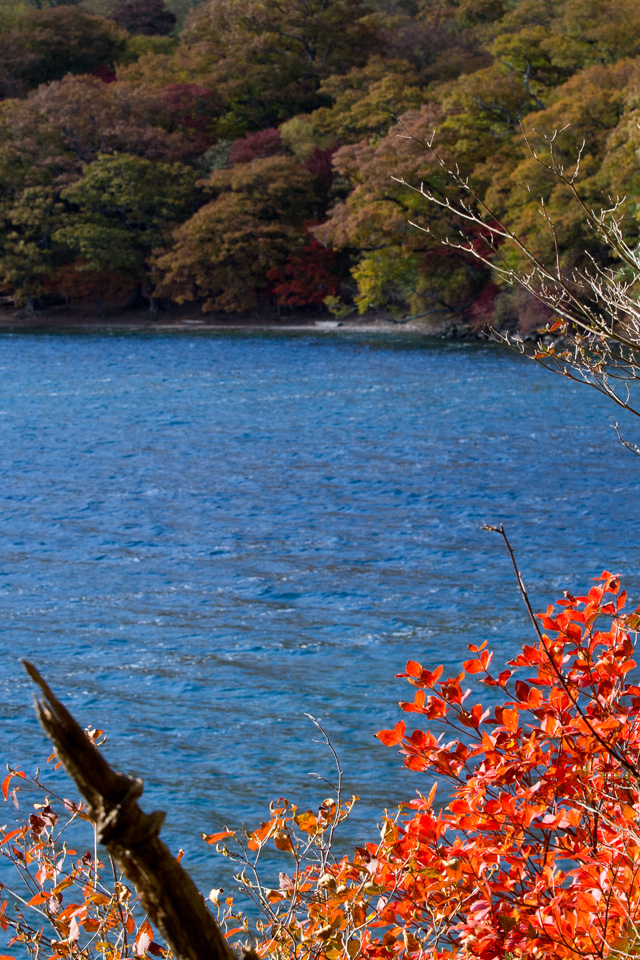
<point>166,890</point>
<point>135,298</point>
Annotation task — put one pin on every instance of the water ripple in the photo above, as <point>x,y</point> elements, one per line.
<point>203,538</point>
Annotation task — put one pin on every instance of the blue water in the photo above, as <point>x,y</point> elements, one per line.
<point>205,537</point>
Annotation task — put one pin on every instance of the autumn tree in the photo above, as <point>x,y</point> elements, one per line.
<point>397,269</point>
<point>307,278</point>
<point>57,129</point>
<point>28,257</point>
<point>437,40</point>
<point>266,60</point>
<point>191,111</point>
<point>148,17</point>
<point>45,45</point>
<point>50,140</point>
<point>318,33</point>
<point>122,209</point>
<point>256,146</point>
<point>254,221</point>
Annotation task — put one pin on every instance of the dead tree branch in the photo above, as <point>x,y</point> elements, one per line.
<point>167,892</point>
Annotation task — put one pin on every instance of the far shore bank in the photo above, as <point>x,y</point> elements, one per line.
<point>189,319</point>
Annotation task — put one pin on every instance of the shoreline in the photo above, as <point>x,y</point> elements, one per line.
<point>186,320</point>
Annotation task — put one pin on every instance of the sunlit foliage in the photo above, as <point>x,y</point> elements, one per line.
<point>524,843</point>
<point>339,83</point>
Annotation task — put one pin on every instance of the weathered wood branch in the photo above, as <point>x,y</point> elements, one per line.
<point>167,892</point>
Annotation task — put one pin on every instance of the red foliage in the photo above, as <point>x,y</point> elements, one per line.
<point>534,854</point>
<point>78,284</point>
<point>320,164</point>
<point>306,279</point>
<point>191,111</point>
<point>105,73</point>
<point>484,304</point>
<point>256,146</point>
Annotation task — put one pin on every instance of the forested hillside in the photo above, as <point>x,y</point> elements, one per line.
<point>243,156</point>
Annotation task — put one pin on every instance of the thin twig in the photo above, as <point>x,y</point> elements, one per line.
<point>610,749</point>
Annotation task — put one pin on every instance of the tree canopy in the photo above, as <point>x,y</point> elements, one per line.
<point>323,94</point>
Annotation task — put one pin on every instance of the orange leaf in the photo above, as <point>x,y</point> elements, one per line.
<point>307,822</point>
<point>274,896</point>
<point>257,838</point>
<point>39,898</point>
<point>282,841</point>
<point>432,794</point>
<point>214,837</point>
<point>10,836</point>
<point>535,698</point>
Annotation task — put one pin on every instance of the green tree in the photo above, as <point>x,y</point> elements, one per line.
<point>28,257</point>
<point>121,210</point>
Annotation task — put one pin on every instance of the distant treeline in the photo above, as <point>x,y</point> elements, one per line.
<point>244,156</point>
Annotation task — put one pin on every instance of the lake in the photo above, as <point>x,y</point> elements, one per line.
<point>205,537</point>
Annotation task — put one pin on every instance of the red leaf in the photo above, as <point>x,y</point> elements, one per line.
<point>472,666</point>
<point>510,720</point>
<point>391,737</point>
